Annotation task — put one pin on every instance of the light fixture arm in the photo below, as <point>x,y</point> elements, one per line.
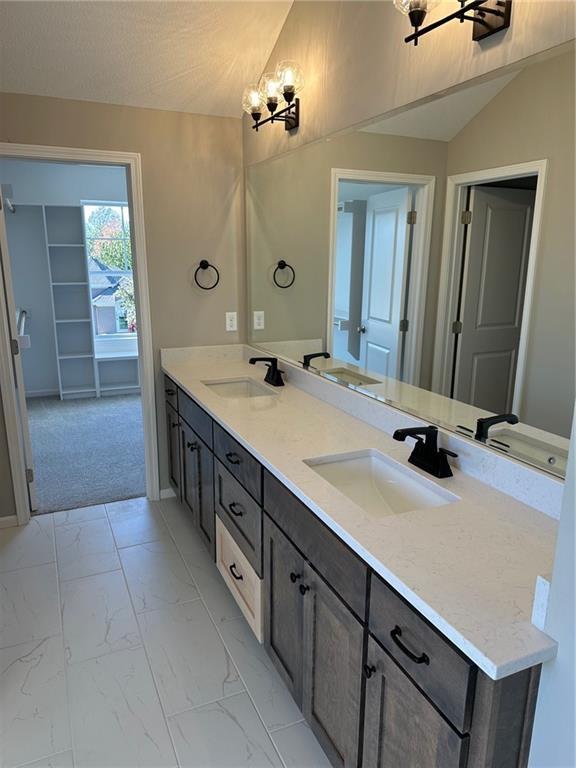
<point>290,116</point>
<point>500,15</point>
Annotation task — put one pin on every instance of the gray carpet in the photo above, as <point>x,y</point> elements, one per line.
<point>86,451</point>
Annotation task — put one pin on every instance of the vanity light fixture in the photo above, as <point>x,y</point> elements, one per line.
<point>487,16</point>
<point>277,92</point>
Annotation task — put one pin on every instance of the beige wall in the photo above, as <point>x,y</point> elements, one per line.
<point>192,178</point>
<point>533,119</point>
<point>288,217</point>
<point>357,66</point>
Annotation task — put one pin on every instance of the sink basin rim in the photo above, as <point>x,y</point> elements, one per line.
<point>255,388</point>
<point>394,472</point>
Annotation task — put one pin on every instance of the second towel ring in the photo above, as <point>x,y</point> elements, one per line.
<point>281,266</point>
<point>204,264</point>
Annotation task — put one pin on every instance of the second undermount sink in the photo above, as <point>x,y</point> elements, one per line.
<point>378,484</point>
<point>239,388</point>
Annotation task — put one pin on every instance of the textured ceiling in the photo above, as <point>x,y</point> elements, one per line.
<point>185,56</point>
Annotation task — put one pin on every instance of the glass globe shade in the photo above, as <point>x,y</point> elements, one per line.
<point>289,76</point>
<point>405,6</point>
<point>252,100</point>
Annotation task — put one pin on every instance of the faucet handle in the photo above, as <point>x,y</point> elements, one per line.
<point>446,452</point>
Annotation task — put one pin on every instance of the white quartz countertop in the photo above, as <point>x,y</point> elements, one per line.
<point>469,567</point>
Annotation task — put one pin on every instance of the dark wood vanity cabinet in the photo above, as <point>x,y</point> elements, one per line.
<point>402,729</point>
<point>378,684</point>
<point>315,642</point>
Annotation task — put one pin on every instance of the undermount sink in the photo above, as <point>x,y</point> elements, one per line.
<point>378,484</point>
<point>349,376</point>
<point>235,388</point>
<point>535,451</point>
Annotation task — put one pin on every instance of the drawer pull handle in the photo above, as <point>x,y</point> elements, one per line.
<point>192,446</point>
<point>237,576</point>
<point>396,634</point>
<point>303,589</point>
<point>294,577</point>
<point>233,458</point>
<point>369,670</point>
<point>236,509</point>
<point>171,392</point>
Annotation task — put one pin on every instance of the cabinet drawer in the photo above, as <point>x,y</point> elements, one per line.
<point>171,392</point>
<point>443,673</point>
<point>238,462</point>
<point>240,578</point>
<point>241,515</point>
<point>195,417</point>
<point>346,573</point>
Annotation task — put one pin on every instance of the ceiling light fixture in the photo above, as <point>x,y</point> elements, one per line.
<point>488,16</point>
<point>277,92</point>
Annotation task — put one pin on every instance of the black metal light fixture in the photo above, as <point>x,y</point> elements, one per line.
<point>487,16</point>
<point>273,91</point>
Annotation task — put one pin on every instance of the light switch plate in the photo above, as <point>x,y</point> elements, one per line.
<point>258,324</point>
<point>231,321</point>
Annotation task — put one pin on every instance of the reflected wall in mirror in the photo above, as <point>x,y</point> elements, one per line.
<point>434,259</point>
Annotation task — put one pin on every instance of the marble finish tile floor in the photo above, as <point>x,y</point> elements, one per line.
<point>121,647</point>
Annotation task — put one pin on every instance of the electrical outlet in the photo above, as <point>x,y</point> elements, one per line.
<point>231,321</point>
<point>258,323</point>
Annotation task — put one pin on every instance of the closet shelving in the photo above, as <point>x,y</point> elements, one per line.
<point>83,370</point>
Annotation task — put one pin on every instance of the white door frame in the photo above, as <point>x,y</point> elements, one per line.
<point>420,255</point>
<point>451,262</point>
<point>132,163</point>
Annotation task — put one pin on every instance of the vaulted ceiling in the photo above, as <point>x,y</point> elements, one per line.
<point>185,56</point>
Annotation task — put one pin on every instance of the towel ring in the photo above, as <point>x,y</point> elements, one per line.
<point>204,264</point>
<point>281,266</point>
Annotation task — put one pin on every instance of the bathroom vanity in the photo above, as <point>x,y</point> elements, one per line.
<point>399,618</point>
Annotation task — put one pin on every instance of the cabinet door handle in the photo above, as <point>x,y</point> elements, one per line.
<point>303,589</point>
<point>396,634</point>
<point>233,458</point>
<point>294,577</point>
<point>237,576</point>
<point>368,670</point>
<point>236,509</point>
<point>191,446</point>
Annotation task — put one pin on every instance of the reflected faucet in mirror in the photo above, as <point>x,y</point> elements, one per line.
<point>307,359</point>
<point>483,425</point>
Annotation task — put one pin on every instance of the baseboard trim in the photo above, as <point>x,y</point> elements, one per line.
<point>167,493</point>
<point>9,521</point>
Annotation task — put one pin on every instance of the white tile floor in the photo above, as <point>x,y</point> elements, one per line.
<point>121,646</point>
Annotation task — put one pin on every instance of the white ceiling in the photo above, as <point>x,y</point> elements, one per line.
<point>185,56</point>
<point>443,118</point>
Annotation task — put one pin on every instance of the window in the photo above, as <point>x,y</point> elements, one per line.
<point>109,251</point>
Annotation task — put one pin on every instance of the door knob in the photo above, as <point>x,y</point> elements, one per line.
<point>361,329</point>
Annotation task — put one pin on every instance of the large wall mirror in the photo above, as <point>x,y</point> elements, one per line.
<point>431,255</point>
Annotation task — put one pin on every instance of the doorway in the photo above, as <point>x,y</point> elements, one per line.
<point>492,224</point>
<point>380,238</point>
<point>77,317</point>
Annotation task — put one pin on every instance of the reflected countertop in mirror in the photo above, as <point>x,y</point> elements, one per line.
<point>433,258</point>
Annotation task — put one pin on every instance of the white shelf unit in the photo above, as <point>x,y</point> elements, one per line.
<point>71,301</point>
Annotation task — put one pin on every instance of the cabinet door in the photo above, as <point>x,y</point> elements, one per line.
<point>401,727</point>
<point>332,665</point>
<point>283,606</point>
<point>198,484</point>
<point>206,520</point>
<point>173,427</point>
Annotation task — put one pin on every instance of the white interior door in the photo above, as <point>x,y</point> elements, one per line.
<point>18,395</point>
<point>384,281</point>
<point>496,262</point>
